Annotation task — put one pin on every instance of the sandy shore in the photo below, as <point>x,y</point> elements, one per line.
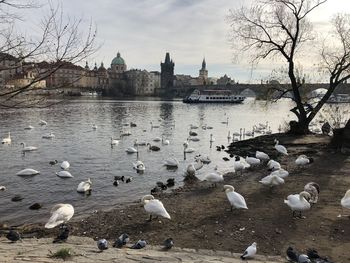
<point>201,218</point>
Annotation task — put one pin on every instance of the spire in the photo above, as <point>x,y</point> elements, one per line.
<point>87,65</point>
<point>167,58</point>
<point>204,64</point>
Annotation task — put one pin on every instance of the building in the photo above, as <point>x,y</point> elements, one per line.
<point>118,64</point>
<point>203,74</point>
<point>225,80</point>
<point>167,75</point>
<point>9,67</point>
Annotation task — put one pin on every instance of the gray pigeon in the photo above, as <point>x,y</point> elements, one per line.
<point>121,241</point>
<point>303,259</point>
<point>292,255</point>
<point>102,244</point>
<point>139,244</point>
<point>13,236</point>
<point>168,243</point>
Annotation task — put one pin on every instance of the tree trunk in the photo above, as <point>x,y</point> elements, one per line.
<point>300,127</point>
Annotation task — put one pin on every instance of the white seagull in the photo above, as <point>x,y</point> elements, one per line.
<point>249,252</point>
<point>60,213</point>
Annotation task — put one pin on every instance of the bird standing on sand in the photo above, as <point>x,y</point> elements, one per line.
<point>13,236</point>
<point>236,200</point>
<point>62,235</point>
<point>121,241</point>
<point>139,244</point>
<point>292,255</point>
<point>298,202</point>
<point>102,244</point>
<point>280,148</point>
<point>60,213</point>
<point>314,190</point>
<point>168,244</point>
<point>249,252</point>
<point>154,207</point>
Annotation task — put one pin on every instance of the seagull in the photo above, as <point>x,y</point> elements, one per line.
<point>249,252</point>
<point>121,241</point>
<point>102,244</point>
<point>13,236</point>
<point>168,244</point>
<point>139,244</point>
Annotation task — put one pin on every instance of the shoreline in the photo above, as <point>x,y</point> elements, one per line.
<point>201,218</point>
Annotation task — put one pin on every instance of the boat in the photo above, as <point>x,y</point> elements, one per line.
<point>339,98</point>
<point>213,96</point>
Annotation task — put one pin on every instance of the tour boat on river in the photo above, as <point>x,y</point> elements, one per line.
<point>213,96</point>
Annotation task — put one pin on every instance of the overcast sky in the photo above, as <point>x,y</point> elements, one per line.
<point>143,30</point>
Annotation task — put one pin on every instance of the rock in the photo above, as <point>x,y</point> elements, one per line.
<point>35,206</point>
<point>16,198</point>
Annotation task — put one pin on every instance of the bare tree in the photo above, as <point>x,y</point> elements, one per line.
<point>279,29</point>
<point>61,41</point>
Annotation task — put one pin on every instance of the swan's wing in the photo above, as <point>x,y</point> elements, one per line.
<point>236,200</point>
<point>156,207</point>
<point>60,213</point>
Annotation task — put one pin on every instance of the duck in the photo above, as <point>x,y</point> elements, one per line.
<point>64,174</point>
<point>114,141</point>
<point>154,126</point>
<point>280,148</point>
<point>132,124</point>
<point>303,160</point>
<point>85,186</point>
<point>131,150</point>
<point>272,180</point>
<point>29,127</point>
<point>314,190</point>
<point>42,122</point>
<point>193,127</point>
<point>94,126</point>
<point>225,122</point>
<point>273,165</point>
<point>119,178</point>
<point>153,147</point>
<point>262,156</point>
<point>27,171</point>
<point>187,149</point>
<point>154,207</point>
<point>298,202</point>
<point>345,201</point>
<point>171,162</point>
<point>252,161</point>
<point>53,162</point>
<point>204,159</point>
<point>170,182</point>
<point>48,136</point>
<point>157,139</point>
<point>214,177</point>
<point>125,133</point>
<point>128,180</point>
<point>236,200</point>
<point>280,172</point>
<point>7,140</point>
<point>139,143</point>
<point>162,185</point>
<point>249,252</point>
<point>139,166</point>
<point>165,142</point>
<point>60,214</point>
<point>212,139</point>
<point>28,148</point>
<point>65,165</point>
<point>195,139</point>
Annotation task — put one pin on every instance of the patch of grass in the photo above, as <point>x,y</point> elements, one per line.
<point>63,253</point>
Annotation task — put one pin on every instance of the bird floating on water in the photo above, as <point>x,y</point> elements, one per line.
<point>28,148</point>
<point>139,166</point>
<point>85,186</point>
<point>42,122</point>
<point>7,140</point>
<point>64,174</point>
<point>27,171</point>
<point>65,165</point>
<point>48,136</point>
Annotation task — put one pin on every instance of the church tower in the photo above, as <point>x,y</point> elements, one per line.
<point>167,75</point>
<point>203,73</point>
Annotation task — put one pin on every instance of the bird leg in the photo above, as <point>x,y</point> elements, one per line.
<point>231,208</point>
<point>150,218</point>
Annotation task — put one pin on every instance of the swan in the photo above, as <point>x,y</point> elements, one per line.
<point>139,166</point>
<point>191,170</point>
<point>60,213</point>
<point>154,126</point>
<point>262,156</point>
<point>42,122</point>
<point>171,162</point>
<point>298,202</point>
<point>7,140</point>
<point>114,141</point>
<point>2,188</point>
<point>280,148</point>
<point>195,139</point>
<point>303,160</point>
<point>314,190</point>
<point>238,165</point>
<point>84,186</point>
<point>273,165</point>
<point>28,148</point>
<point>252,161</point>
<point>272,180</point>
<point>64,174</point>
<point>30,127</point>
<point>280,172</point>
<point>65,165</point>
<point>248,133</point>
<point>154,207</point>
<point>229,137</point>
<point>165,142</point>
<point>345,201</point>
<point>193,127</point>
<point>214,178</point>
<point>157,139</point>
<point>204,159</point>
<point>185,144</point>
<point>212,139</point>
<point>131,150</point>
<point>28,171</point>
<point>139,143</point>
<point>188,150</point>
<point>225,122</point>
<point>236,200</point>
<point>94,126</point>
<point>198,164</point>
<point>153,147</point>
<point>126,133</point>
<point>48,136</point>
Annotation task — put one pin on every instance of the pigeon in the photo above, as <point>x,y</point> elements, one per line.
<point>168,244</point>
<point>249,252</point>
<point>62,235</point>
<point>303,259</point>
<point>13,236</point>
<point>292,255</point>
<point>121,241</point>
<point>102,244</point>
<point>139,244</point>
<point>313,255</point>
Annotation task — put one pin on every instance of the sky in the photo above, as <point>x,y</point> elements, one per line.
<point>144,30</point>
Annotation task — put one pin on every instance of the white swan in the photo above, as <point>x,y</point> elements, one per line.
<point>262,156</point>
<point>48,136</point>
<point>114,141</point>
<point>280,172</point>
<point>303,160</point>
<point>60,213</point>
<point>298,202</point>
<point>2,188</point>
<point>165,142</point>
<point>131,150</point>
<point>7,140</point>
<point>236,200</point>
<point>42,122</point>
<point>345,201</point>
<point>154,207</point>
<point>273,165</point>
<point>28,148</point>
<point>272,180</point>
<point>204,159</point>
<point>64,174</point>
<point>191,170</point>
<point>171,162</point>
<point>157,139</point>
<point>154,126</point>
<point>65,165</point>
<point>252,161</point>
<point>198,164</point>
<point>94,126</point>
<point>212,139</point>
<point>139,166</point>
<point>28,171</point>
<point>280,148</point>
<point>188,150</point>
<point>239,165</point>
<point>214,178</point>
<point>139,143</point>
<point>84,186</point>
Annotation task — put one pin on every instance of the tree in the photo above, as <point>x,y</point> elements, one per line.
<point>279,29</point>
<point>60,40</point>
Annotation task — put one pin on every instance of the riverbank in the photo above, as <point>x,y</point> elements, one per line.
<point>201,219</point>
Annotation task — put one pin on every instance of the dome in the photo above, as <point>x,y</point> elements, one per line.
<point>118,60</point>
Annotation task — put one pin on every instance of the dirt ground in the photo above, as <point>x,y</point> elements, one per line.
<point>201,216</point>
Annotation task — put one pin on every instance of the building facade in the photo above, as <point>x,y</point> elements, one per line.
<point>167,75</point>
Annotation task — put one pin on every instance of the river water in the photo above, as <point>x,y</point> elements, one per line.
<point>91,156</point>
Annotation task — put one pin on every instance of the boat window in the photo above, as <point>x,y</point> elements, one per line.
<point>207,97</point>
<point>235,98</point>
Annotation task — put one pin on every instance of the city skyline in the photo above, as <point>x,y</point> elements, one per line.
<point>143,31</point>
